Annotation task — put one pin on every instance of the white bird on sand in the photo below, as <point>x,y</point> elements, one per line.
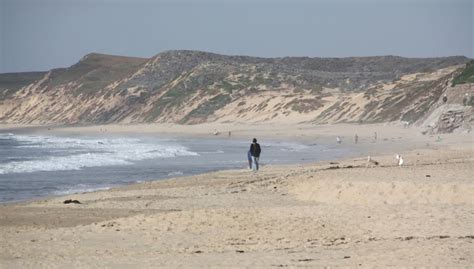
<point>400,159</point>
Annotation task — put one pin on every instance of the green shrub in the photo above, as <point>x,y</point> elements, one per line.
<point>467,75</point>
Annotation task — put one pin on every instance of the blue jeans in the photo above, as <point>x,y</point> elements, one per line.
<point>255,163</point>
<point>249,157</point>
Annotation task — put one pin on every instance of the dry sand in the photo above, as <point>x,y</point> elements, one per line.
<point>287,130</point>
<point>326,214</point>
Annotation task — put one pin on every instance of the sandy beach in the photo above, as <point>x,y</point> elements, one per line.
<point>344,213</point>
<point>128,134</point>
<point>284,130</point>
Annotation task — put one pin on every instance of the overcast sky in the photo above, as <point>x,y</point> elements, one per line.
<point>45,34</point>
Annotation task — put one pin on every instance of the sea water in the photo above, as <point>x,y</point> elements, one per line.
<point>36,166</point>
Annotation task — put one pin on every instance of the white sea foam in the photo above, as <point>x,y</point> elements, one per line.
<point>212,152</point>
<point>77,153</point>
<point>175,173</point>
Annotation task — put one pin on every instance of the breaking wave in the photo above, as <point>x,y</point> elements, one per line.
<point>65,153</point>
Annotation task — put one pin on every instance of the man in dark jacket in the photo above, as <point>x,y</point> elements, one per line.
<point>255,152</point>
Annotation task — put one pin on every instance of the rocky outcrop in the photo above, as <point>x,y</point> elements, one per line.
<point>453,110</point>
<point>454,120</point>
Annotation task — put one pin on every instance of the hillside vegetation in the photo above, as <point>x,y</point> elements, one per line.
<point>190,87</point>
<point>12,82</point>
<point>466,76</point>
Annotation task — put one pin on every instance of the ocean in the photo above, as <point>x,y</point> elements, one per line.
<point>37,166</point>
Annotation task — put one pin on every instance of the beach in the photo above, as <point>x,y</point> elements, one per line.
<point>236,134</point>
<point>334,213</point>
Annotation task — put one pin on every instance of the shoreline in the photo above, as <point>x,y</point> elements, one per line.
<point>342,212</point>
<point>354,155</point>
<point>300,131</point>
<point>319,134</point>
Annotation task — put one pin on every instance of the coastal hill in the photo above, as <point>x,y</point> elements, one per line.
<point>191,87</point>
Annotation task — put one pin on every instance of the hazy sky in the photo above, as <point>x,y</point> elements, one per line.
<point>45,34</point>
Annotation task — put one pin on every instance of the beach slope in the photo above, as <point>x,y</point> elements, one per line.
<point>343,213</point>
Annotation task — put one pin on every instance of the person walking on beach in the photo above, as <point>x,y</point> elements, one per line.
<point>356,138</point>
<point>255,152</point>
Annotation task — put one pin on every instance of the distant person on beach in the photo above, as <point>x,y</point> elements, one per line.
<point>356,138</point>
<point>249,158</point>
<point>255,152</point>
<point>375,136</point>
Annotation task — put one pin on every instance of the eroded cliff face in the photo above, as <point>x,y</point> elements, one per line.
<point>190,87</point>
